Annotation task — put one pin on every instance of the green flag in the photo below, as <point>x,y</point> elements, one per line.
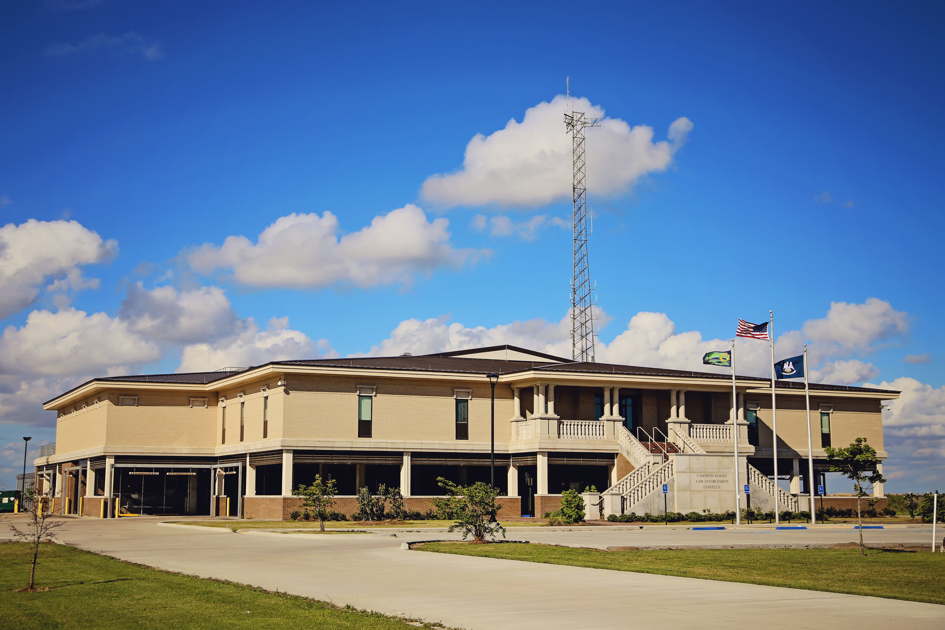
<point>718,358</point>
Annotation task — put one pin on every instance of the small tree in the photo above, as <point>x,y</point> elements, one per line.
<point>925,508</point>
<point>40,526</point>
<point>319,496</point>
<point>370,507</point>
<point>855,463</point>
<point>397,511</point>
<point>476,509</point>
<point>911,503</point>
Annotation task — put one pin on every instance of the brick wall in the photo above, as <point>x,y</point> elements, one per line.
<point>280,508</point>
<point>546,503</point>
<point>624,467</point>
<point>92,506</point>
<point>847,503</point>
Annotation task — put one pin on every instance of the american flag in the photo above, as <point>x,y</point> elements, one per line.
<point>755,331</point>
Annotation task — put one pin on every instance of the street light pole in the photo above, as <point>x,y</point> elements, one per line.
<point>493,378</point>
<point>26,441</point>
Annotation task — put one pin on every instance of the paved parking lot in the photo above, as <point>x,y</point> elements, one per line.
<point>374,572</point>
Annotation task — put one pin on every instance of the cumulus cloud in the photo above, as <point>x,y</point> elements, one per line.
<point>304,251</point>
<point>168,315</point>
<point>126,43</point>
<point>528,163</point>
<point>917,358</point>
<point>254,347</point>
<point>856,328</point>
<point>527,230</point>
<point>844,372</point>
<point>37,252</point>
<point>72,342</point>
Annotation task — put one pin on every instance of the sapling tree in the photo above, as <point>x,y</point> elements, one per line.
<point>859,464</point>
<point>911,503</point>
<point>319,496</point>
<point>40,526</point>
<point>475,509</point>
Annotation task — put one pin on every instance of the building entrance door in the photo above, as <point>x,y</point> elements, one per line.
<point>527,484</point>
<point>630,410</point>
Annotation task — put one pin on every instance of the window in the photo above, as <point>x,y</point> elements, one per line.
<point>265,417</point>
<point>825,425</point>
<point>223,432</point>
<point>751,414</point>
<point>242,426</point>
<point>462,419</point>
<point>198,402</point>
<point>599,405</point>
<point>365,415</point>
<point>127,401</point>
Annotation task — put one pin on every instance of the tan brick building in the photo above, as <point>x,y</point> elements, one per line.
<point>239,441</point>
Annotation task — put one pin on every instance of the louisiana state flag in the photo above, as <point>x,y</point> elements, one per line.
<point>790,368</point>
<point>718,358</point>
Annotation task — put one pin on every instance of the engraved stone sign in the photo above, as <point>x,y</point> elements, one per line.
<point>712,481</point>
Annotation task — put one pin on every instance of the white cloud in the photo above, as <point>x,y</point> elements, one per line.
<point>129,43</point>
<point>72,342</point>
<point>5,201</point>
<point>305,251</point>
<point>527,230</point>
<point>36,251</point>
<point>254,347</point>
<point>844,372</point>
<point>855,328</point>
<point>824,197</point>
<point>189,316</point>
<point>919,411</point>
<point>529,163</point>
<point>917,358</point>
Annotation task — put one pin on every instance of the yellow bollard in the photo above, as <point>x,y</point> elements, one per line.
<point>228,506</point>
<point>81,506</point>
<point>101,511</point>
<point>16,506</point>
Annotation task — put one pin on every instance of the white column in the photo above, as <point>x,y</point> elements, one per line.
<point>89,480</point>
<point>405,476</point>
<point>360,476</point>
<point>541,400</point>
<point>607,413</point>
<point>682,403</point>
<point>611,474</point>
<point>615,403</point>
<point>287,460</point>
<point>542,481</point>
<point>795,476</point>
<point>516,402</point>
<point>741,406</point>
<point>672,403</point>
<point>535,408</point>
<point>513,480</point>
<point>109,474</point>
<point>878,487</point>
<point>551,399</point>
<point>250,478</point>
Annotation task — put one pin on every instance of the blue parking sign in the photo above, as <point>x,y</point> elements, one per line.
<point>820,490</point>
<point>747,490</point>
<point>665,488</point>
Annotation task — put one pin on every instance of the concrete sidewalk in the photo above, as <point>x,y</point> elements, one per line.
<point>372,571</point>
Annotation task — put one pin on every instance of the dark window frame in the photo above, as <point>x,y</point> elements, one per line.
<point>462,418</point>
<point>365,426</point>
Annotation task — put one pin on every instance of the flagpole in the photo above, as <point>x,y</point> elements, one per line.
<point>738,497</point>
<point>774,420</point>
<point>810,451</point>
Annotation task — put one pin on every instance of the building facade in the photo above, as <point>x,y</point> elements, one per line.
<point>238,442</point>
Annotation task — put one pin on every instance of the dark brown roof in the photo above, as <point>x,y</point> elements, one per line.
<point>454,353</point>
<point>446,362</point>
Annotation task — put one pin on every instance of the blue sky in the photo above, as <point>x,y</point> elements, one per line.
<point>138,137</point>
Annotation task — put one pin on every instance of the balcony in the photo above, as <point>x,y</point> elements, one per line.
<point>550,428</point>
<point>47,450</point>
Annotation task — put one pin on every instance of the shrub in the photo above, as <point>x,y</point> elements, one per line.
<point>888,511</point>
<point>571,510</point>
<point>294,515</point>
<point>476,507</point>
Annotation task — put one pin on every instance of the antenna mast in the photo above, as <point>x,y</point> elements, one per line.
<point>582,300</point>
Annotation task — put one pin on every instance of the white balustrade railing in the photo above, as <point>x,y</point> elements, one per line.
<point>784,499</point>
<point>581,430</point>
<point>685,443</point>
<point>631,448</point>
<point>47,450</point>
<point>711,432</point>
<point>653,481</point>
<point>635,477</point>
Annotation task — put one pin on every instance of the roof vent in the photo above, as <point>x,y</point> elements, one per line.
<point>231,369</point>
<point>406,354</point>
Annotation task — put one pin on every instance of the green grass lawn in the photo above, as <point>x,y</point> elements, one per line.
<point>915,576</point>
<point>92,591</point>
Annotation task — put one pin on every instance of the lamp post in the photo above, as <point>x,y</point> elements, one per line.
<point>26,441</point>
<point>493,378</point>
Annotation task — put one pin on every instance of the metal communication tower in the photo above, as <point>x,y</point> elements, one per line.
<point>582,301</point>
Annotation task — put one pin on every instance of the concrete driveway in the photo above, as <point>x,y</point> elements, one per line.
<point>372,571</point>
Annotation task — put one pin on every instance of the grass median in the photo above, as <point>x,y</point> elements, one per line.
<point>914,576</point>
<point>251,524</point>
<point>87,590</point>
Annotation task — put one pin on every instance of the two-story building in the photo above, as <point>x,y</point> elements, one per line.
<point>239,441</point>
